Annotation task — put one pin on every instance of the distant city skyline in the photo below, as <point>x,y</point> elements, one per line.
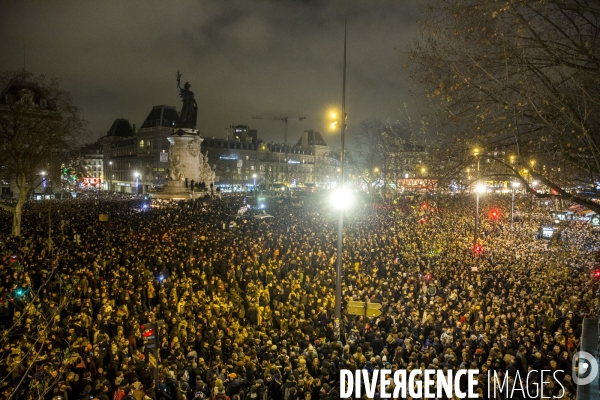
<point>243,59</point>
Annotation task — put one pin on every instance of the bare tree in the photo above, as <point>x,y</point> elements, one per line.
<point>383,147</point>
<point>375,155</point>
<point>37,120</point>
<point>519,80</point>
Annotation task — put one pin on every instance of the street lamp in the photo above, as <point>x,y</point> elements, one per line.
<point>533,185</point>
<point>479,188</point>
<point>515,185</point>
<point>338,277</point>
<point>476,154</point>
<point>254,177</point>
<point>137,175</point>
<point>341,199</point>
<point>111,175</point>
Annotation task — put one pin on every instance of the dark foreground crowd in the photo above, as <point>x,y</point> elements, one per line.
<point>248,303</point>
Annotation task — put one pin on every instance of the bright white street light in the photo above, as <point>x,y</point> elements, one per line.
<point>479,188</point>
<point>516,184</point>
<point>534,183</point>
<point>341,198</point>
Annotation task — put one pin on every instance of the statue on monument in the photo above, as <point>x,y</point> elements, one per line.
<point>176,171</point>
<point>189,110</point>
<point>209,174</point>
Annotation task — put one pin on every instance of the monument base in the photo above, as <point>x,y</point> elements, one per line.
<point>176,190</point>
<point>176,193</point>
<point>186,165</point>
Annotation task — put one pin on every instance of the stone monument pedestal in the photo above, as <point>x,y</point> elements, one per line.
<point>186,162</point>
<point>176,191</point>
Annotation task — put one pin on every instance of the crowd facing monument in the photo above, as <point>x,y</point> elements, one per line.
<point>248,309</point>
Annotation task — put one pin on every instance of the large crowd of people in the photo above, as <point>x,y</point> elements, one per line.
<point>248,303</point>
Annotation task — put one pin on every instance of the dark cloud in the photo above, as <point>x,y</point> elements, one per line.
<point>243,58</point>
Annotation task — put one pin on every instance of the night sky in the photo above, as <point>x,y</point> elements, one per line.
<point>242,58</point>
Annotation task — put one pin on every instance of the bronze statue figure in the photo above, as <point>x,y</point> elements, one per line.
<point>189,110</point>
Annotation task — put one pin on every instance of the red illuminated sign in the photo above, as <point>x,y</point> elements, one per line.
<point>92,181</point>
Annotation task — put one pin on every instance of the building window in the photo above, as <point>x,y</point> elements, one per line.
<point>141,144</point>
<point>148,145</point>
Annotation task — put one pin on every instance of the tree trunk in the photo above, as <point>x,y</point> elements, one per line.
<point>18,211</point>
<point>16,225</point>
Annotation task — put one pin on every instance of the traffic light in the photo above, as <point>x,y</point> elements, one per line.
<point>477,249</point>
<point>494,214</point>
<point>150,334</point>
<point>151,331</point>
<point>597,273</point>
<point>428,277</point>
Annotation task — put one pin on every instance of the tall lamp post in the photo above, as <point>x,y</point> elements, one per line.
<point>137,176</point>
<point>44,184</point>
<point>478,189</point>
<point>425,183</point>
<point>533,185</point>
<point>341,198</point>
<point>111,176</point>
<point>515,185</point>
<point>476,154</point>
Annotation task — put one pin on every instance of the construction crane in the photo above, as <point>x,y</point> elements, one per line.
<point>285,122</point>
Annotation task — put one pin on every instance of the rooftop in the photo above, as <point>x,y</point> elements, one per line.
<point>311,138</point>
<point>121,128</point>
<point>162,115</point>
